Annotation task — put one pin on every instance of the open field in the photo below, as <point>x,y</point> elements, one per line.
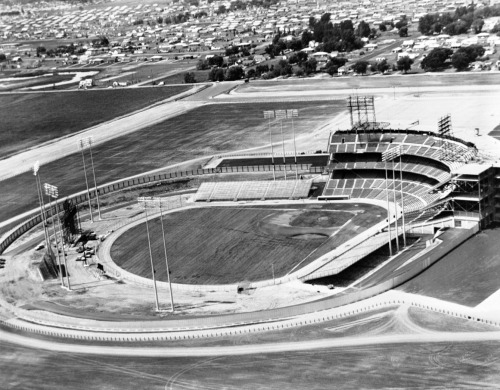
<point>149,71</point>
<point>467,275</point>
<point>33,82</point>
<point>32,118</point>
<point>398,81</point>
<point>208,130</point>
<point>430,366</point>
<point>224,245</point>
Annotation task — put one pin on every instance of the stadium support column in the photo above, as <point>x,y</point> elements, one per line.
<point>283,144</point>
<point>144,200</point>
<point>81,145</point>
<point>388,209</point>
<point>269,115</point>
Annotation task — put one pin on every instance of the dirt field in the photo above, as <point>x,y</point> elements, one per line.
<point>468,275</point>
<point>224,245</point>
<point>208,130</point>
<point>414,365</point>
<point>76,111</point>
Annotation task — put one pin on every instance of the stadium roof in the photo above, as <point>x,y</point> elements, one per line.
<point>472,169</point>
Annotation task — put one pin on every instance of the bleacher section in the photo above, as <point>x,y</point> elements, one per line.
<point>253,190</point>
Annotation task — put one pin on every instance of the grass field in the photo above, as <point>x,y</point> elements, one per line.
<point>29,119</point>
<point>154,70</point>
<point>218,245</point>
<point>467,275</point>
<point>208,130</point>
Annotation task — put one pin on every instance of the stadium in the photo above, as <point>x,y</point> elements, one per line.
<point>374,210</point>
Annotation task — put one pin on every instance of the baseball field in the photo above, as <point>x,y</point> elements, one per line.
<point>225,245</point>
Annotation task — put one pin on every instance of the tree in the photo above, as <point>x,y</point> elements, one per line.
<point>69,221</point>
<point>403,31</point>
<point>360,67</point>
<point>331,68</point>
<point>310,66</point>
<point>221,10</point>
<point>235,73</point>
<point>202,65</point>
<point>404,64</point>
<point>215,61</point>
<point>189,78</point>
<point>363,29</point>
<point>216,74</point>
<point>436,59</point>
<point>477,25</point>
<point>460,61</point>
<point>3,57</point>
<point>382,27</point>
<point>251,73</point>
<point>40,50</point>
<point>381,66</point>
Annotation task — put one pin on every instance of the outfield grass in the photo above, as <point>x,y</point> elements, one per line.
<point>467,275</point>
<point>33,118</point>
<point>219,245</point>
<point>208,130</point>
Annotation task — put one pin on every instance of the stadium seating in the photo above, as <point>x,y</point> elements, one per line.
<point>253,190</point>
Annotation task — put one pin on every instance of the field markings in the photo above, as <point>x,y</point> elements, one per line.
<point>322,244</point>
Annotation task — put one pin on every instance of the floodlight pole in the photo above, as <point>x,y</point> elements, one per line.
<point>272,149</point>
<point>64,253</point>
<point>395,204</point>
<point>388,210</point>
<point>166,258</point>
<point>269,115</point>
<point>402,198</point>
<point>295,145</point>
<point>151,259</point>
<point>43,214</point>
<point>283,144</point>
<point>272,268</point>
<point>55,238</point>
<point>95,181</point>
<point>86,180</point>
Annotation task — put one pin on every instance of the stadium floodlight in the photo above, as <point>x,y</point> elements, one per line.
<point>402,196</point>
<point>388,211</point>
<point>53,192</point>
<point>280,115</point>
<point>144,201</point>
<point>81,146</point>
<point>88,141</point>
<point>156,201</point>
<point>43,215</point>
<point>270,115</point>
<point>390,155</point>
<point>294,113</point>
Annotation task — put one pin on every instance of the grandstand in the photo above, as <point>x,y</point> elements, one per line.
<point>253,190</point>
<point>427,161</point>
